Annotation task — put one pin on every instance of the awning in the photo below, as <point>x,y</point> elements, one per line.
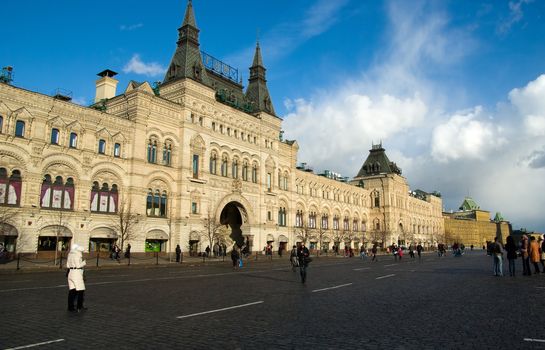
<point>194,236</point>
<point>103,232</point>
<point>8,230</point>
<point>282,238</point>
<point>54,231</point>
<point>270,238</point>
<point>157,234</point>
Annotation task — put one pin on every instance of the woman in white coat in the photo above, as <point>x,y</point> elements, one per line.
<point>76,285</point>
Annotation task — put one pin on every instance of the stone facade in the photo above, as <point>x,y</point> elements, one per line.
<point>182,167</point>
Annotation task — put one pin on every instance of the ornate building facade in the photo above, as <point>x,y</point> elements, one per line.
<point>193,161</point>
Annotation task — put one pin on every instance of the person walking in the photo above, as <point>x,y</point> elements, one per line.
<point>178,253</point>
<point>419,251</point>
<point>497,253</point>
<point>374,252</point>
<point>234,257</point>
<point>535,256</point>
<point>76,283</point>
<point>542,252</point>
<point>303,254</point>
<point>511,249</point>
<point>128,251</point>
<point>525,254</point>
<point>293,258</point>
<point>362,252</point>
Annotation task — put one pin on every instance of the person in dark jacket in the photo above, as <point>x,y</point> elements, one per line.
<point>178,253</point>
<point>234,257</point>
<point>511,249</point>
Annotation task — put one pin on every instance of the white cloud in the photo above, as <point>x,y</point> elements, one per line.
<point>465,136</point>
<point>135,65</point>
<point>515,16</point>
<point>130,27</point>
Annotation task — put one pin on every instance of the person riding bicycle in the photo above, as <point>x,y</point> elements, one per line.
<point>303,255</point>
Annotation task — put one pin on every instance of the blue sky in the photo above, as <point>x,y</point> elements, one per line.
<point>453,89</point>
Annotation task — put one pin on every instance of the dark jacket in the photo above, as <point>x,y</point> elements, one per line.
<point>511,249</point>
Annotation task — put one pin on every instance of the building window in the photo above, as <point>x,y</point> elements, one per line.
<point>269,182</point>
<point>213,164</point>
<point>245,171</point>
<point>254,174</point>
<point>156,203</point>
<point>299,219</point>
<point>104,199</point>
<point>312,220</point>
<point>282,216</point>
<point>55,136</point>
<point>200,121</point>
<point>117,150</point>
<point>57,194</point>
<point>194,208</point>
<point>101,146</point>
<point>325,222</point>
<point>224,166</point>
<point>1,123</point>
<point>167,154</point>
<point>346,224</point>
<point>335,223</point>
<point>235,169</point>
<point>213,126</point>
<point>20,128</point>
<point>376,199</point>
<point>73,140</point>
<point>269,215</point>
<point>10,187</point>
<point>195,166</point>
<point>152,151</point>
<point>355,225</point>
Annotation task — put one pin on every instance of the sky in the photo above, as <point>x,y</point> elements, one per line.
<point>454,90</point>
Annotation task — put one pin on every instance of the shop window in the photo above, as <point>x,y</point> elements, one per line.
<point>57,194</point>
<point>20,128</point>
<point>104,198</point>
<point>55,136</point>
<point>10,187</point>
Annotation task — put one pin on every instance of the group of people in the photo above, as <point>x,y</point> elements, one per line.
<point>529,249</point>
<point>238,255</point>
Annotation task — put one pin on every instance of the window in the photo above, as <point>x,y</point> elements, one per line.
<point>245,171</point>
<point>57,194</point>
<point>200,121</point>
<point>376,199</point>
<point>101,146</point>
<point>117,150</point>
<point>312,220</point>
<point>355,225</point>
<point>254,174</point>
<point>235,169</point>
<point>152,151</point>
<point>335,222</point>
<point>346,224</point>
<point>167,154</point>
<point>20,128</point>
<point>269,216</point>
<point>299,219</point>
<point>104,199</point>
<point>1,123</point>
<point>195,166</point>
<point>10,187</point>
<point>73,140</point>
<point>282,216</point>
<point>269,181</point>
<point>213,126</point>
<point>55,136</point>
<point>325,221</point>
<point>224,166</point>
<point>194,208</point>
<point>156,203</point>
<point>213,164</point>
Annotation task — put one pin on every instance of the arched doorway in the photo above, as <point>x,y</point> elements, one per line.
<point>234,215</point>
<point>8,241</point>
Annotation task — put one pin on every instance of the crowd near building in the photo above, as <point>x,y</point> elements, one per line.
<point>195,161</point>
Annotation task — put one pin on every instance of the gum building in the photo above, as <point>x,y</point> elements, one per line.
<point>196,160</point>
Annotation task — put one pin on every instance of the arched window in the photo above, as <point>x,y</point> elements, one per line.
<point>152,151</point>
<point>299,218</point>
<point>167,152</point>
<point>213,164</point>
<point>234,169</point>
<point>245,171</point>
<point>156,203</point>
<point>73,140</point>
<point>325,221</point>
<point>355,225</point>
<point>101,146</point>
<point>335,222</point>
<point>10,187</point>
<point>20,128</point>
<point>57,194</point>
<point>55,136</point>
<point>195,166</point>
<point>224,166</point>
<point>104,199</point>
<point>312,220</point>
<point>346,224</point>
<point>281,216</point>
<point>254,173</point>
<point>117,150</point>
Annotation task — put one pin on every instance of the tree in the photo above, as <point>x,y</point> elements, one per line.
<point>125,222</point>
<point>338,237</point>
<point>304,232</point>
<point>320,234</point>
<point>214,231</point>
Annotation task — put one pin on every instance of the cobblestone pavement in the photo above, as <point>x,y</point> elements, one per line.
<point>346,303</point>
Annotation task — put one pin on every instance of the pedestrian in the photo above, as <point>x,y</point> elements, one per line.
<point>534,253</point>
<point>76,283</point>
<point>525,254</point>
<point>511,250</point>
<point>411,251</point>
<point>542,253</point>
<point>497,253</point>
<point>128,251</point>
<point>362,252</point>
<point>374,252</point>
<point>400,253</point>
<point>280,250</point>
<point>419,251</point>
<point>303,254</point>
<point>394,251</point>
<point>178,253</point>
<point>234,257</point>
<point>207,251</point>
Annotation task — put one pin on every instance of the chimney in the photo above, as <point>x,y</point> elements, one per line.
<point>106,85</point>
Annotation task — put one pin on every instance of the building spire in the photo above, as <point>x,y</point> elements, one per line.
<point>187,61</point>
<point>257,91</point>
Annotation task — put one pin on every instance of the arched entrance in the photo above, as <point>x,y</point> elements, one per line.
<point>8,240</point>
<point>53,238</point>
<point>234,215</point>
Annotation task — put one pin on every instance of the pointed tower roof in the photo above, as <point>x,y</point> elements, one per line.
<point>378,163</point>
<point>257,90</point>
<point>187,60</point>
<point>469,204</point>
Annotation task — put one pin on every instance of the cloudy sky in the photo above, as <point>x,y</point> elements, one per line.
<point>454,90</point>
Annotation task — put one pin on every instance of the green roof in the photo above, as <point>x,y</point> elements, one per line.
<point>469,204</point>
